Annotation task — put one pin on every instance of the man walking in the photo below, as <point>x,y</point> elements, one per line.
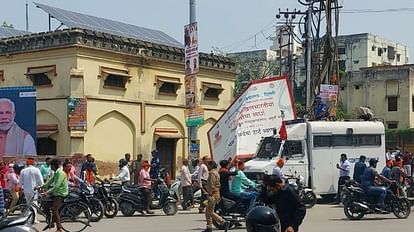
<point>213,190</point>
<point>30,178</point>
<point>186,184</point>
<point>344,168</point>
<point>202,181</point>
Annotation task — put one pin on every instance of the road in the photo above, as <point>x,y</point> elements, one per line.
<point>319,218</point>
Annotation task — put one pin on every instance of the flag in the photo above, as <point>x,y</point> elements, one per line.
<point>282,131</point>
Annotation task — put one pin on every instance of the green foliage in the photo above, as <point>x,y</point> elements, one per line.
<point>252,69</point>
<point>301,110</point>
<point>341,112</point>
<point>5,24</point>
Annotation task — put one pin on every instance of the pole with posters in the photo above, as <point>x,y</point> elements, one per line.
<point>191,70</point>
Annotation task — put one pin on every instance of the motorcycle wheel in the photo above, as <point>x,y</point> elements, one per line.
<point>127,209</point>
<point>170,208</point>
<point>401,208</point>
<point>97,209</point>
<point>352,212</point>
<point>309,199</point>
<point>111,208</point>
<point>220,227</point>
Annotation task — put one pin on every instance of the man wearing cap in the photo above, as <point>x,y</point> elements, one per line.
<point>30,178</point>
<point>278,169</point>
<point>368,183</point>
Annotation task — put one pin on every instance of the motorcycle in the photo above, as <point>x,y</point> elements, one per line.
<point>102,192</point>
<point>131,200</point>
<point>360,204</point>
<point>20,224</point>
<point>85,193</point>
<point>233,211</point>
<point>306,195</point>
<point>345,193</point>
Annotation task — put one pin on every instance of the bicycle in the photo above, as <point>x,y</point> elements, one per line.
<point>74,214</point>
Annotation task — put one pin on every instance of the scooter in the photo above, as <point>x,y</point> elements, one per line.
<point>176,191</point>
<point>20,224</point>
<point>131,200</point>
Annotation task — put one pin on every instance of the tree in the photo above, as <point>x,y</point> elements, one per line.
<point>6,25</point>
<point>252,68</point>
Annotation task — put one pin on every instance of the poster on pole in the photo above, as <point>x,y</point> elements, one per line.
<point>253,115</point>
<point>191,49</point>
<point>18,121</point>
<point>329,95</point>
<point>194,117</point>
<point>190,91</point>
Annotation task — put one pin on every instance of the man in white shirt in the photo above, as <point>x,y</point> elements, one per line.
<point>202,180</point>
<point>124,176</point>
<point>30,178</point>
<point>344,174</point>
<point>185,184</point>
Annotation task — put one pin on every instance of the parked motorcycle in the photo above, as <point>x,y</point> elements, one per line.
<point>85,193</point>
<point>20,224</point>
<point>360,204</point>
<point>306,195</point>
<point>103,193</point>
<point>131,200</point>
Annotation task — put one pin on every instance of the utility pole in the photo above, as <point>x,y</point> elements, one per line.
<point>308,55</point>
<point>27,16</point>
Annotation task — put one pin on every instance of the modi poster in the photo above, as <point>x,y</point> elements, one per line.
<point>18,121</point>
<point>253,115</point>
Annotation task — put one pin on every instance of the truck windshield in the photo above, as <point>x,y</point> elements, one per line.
<point>270,146</point>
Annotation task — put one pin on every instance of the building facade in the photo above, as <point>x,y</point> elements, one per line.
<point>367,50</point>
<point>133,92</point>
<point>387,90</point>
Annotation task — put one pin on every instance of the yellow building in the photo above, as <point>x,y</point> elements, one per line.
<point>134,93</point>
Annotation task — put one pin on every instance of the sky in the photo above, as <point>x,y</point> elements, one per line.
<point>229,25</point>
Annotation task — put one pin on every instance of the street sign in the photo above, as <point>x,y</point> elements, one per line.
<point>194,117</point>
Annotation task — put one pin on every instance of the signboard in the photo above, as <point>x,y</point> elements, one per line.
<point>191,49</point>
<point>253,115</point>
<point>194,117</point>
<point>77,113</point>
<point>329,95</point>
<point>18,121</point>
<point>190,91</point>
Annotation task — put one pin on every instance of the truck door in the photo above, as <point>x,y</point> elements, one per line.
<point>296,160</point>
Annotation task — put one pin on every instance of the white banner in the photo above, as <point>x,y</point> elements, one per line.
<point>253,115</point>
<point>191,49</point>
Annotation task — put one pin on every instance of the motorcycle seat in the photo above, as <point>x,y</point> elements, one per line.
<point>131,188</point>
<point>6,223</point>
<point>227,203</point>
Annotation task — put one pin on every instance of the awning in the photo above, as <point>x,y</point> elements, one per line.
<point>116,73</point>
<point>169,135</point>
<point>169,80</point>
<point>212,86</point>
<point>46,130</point>
<point>34,71</point>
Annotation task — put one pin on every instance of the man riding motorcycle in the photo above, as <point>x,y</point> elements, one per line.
<point>368,183</point>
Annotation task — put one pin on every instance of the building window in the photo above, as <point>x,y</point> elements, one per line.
<point>211,91</point>
<point>341,50</point>
<point>412,103</point>
<point>342,88</point>
<point>168,85</point>
<point>356,86</point>
<point>380,51</point>
<point>356,61</point>
<point>392,125</point>
<point>41,76</point>
<point>392,104</point>
<point>374,64</point>
<point>342,65</point>
<point>114,78</point>
<point>398,57</point>
<point>373,48</point>
<point>46,146</point>
<point>1,75</point>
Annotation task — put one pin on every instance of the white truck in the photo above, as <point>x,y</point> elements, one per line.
<point>313,149</point>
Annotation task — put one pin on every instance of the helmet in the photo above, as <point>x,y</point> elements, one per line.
<point>262,219</point>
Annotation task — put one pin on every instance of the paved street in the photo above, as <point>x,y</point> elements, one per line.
<point>320,218</point>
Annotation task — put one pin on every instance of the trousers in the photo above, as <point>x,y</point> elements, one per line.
<point>210,214</point>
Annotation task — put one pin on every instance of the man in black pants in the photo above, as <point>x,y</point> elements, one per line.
<point>344,168</point>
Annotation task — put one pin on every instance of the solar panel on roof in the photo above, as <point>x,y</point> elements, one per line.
<point>10,32</point>
<point>73,19</point>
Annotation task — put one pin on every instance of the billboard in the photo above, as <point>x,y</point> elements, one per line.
<point>329,95</point>
<point>77,113</point>
<point>18,121</point>
<point>253,115</point>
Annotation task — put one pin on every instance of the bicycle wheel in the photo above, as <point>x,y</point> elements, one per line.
<point>75,217</point>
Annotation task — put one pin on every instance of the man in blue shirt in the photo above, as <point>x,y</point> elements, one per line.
<point>359,168</point>
<point>368,183</point>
